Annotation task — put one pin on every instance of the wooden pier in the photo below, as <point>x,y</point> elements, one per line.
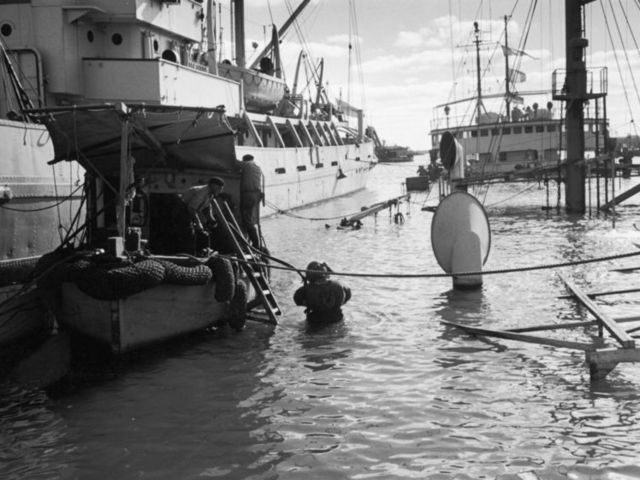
<point>600,361</point>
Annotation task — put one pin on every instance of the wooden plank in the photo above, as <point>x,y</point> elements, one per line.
<point>560,326</point>
<point>602,294</point>
<point>607,322</point>
<point>522,337</point>
<point>556,326</point>
<point>622,197</point>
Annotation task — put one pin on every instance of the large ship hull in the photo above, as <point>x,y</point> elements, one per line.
<point>37,205</point>
<point>296,177</point>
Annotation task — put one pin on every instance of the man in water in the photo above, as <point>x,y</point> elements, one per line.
<point>198,201</point>
<point>250,196</point>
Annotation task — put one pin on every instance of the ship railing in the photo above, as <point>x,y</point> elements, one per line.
<point>596,84</point>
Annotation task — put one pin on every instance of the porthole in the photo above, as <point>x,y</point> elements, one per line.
<point>90,36</point>
<point>116,38</point>
<point>156,46</point>
<point>6,29</point>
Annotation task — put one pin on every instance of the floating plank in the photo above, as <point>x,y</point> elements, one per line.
<point>586,323</point>
<point>373,209</point>
<point>622,197</point>
<point>607,322</point>
<point>509,335</point>
<point>608,292</point>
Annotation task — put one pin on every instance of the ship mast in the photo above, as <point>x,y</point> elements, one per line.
<point>281,32</point>
<point>576,93</point>
<point>238,25</point>
<point>506,69</point>
<point>479,105</point>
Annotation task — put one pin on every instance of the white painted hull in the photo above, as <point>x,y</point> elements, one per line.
<point>30,190</point>
<point>288,186</point>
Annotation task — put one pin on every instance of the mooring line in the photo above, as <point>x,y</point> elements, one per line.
<point>445,275</point>
<point>311,219</point>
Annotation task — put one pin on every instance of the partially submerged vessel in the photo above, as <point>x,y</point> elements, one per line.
<point>135,94</point>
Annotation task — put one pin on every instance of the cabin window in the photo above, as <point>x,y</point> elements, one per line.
<point>474,133</point>
<point>539,128</point>
<point>6,29</point>
<point>156,46</point>
<point>502,156</point>
<point>116,38</point>
<point>320,165</point>
<point>302,168</point>
<point>517,130</point>
<point>586,128</point>
<point>506,131</point>
<point>528,129</point>
<point>281,170</point>
<point>90,36</point>
<point>551,128</point>
<point>495,131</point>
<point>334,164</point>
<point>484,132</point>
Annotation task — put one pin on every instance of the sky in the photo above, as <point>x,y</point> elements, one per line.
<point>411,56</point>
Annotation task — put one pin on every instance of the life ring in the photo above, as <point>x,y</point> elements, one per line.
<point>224,277</point>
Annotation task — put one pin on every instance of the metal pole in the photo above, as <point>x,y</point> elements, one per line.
<point>576,91</point>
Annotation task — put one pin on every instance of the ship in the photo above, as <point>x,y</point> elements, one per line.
<point>134,98</point>
<point>38,205</point>
<point>155,53</point>
<point>393,154</point>
<point>389,153</point>
<point>523,136</point>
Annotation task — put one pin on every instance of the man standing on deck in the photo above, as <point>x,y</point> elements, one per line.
<point>251,194</point>
<point>198,201</point>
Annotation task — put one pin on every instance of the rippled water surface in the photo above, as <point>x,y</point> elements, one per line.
<point>390,392</point>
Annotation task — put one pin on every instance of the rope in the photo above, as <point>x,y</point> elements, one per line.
<point>445,275</point>
<point>522,192</point>
<point>313,219</point>
<point>28,210</point>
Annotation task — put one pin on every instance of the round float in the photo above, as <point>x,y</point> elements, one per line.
<point>458,214</point>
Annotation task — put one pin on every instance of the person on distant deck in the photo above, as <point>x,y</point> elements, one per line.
<point>535,111</point>
<point>251,194</point>
<point>516,114</point>
<point>528,113</point>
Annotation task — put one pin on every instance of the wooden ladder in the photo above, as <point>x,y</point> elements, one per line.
<point>249,264</point>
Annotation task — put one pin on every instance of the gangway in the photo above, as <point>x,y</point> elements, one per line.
<point>250,264</point>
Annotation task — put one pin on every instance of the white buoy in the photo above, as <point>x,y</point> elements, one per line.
<point>461,238</point>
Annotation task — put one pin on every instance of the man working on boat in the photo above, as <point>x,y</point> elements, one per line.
<point>250,196</point>
<point>198,201</point>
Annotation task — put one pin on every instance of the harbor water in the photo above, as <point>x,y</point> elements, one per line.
<point>388,393</point>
